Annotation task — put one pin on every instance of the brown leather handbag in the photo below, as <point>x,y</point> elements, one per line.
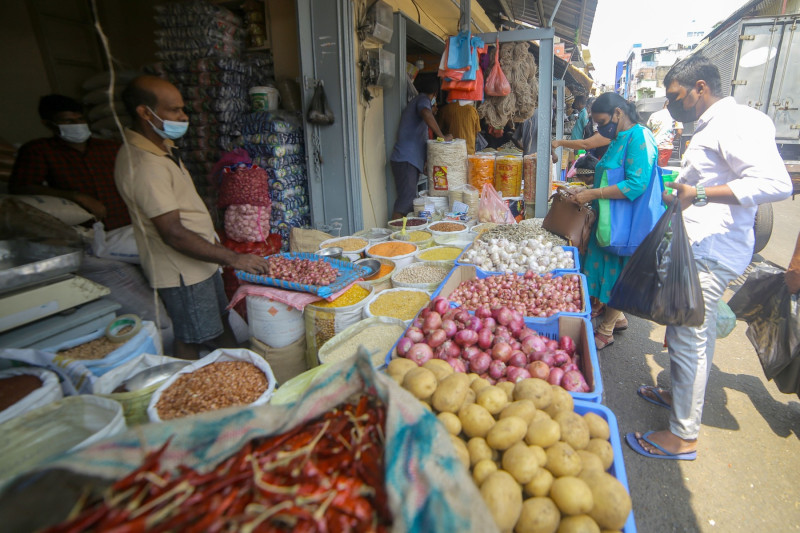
<point>569,220</point>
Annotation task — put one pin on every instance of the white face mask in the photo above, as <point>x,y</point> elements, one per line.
<point>74,133</point>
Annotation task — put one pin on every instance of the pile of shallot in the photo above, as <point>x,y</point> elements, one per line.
<point>501,255</point>
<point>493,343</point>
<point>531,294</point>
<point>303,271</point>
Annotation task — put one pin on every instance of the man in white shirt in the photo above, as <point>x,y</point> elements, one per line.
<point>731,166</point>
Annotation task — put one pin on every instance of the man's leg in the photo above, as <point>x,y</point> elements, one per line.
<point>691,352</point>
<point>405,182</point>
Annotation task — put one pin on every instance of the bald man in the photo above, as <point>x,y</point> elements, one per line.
<point>172,226</point>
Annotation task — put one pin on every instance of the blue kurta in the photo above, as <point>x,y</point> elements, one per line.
<point>602,268</point>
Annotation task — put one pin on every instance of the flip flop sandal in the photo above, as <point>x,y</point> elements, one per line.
<point>655,392</point>
<point>621,324</point>
<point>633,442</point>
<point>599,310</point>
<point>601,341</point>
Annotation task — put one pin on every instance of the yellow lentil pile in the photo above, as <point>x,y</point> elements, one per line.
<point>447,253</point>
<point>399,304</point>
<point>351,296</point>
<point>348,245</point>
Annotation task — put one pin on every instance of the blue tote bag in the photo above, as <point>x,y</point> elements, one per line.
<point>623,224</point>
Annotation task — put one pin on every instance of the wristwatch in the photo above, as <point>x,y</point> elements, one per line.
<point>700,198</point>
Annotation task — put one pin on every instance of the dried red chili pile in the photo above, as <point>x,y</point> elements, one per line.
<point>324,476</point>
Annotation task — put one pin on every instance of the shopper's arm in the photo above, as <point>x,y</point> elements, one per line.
<point>176,235</point>
<point>429,119</point>
<point>595,141</point>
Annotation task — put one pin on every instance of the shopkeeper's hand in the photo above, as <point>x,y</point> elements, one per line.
<point>448,137</point>
<point>686,193</point>
<point>92,205</point>
<point>250,263</point>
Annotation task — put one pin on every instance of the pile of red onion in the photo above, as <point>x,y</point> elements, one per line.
<point>532,295</point>
<point>303,271</point>
<point>494,343</point>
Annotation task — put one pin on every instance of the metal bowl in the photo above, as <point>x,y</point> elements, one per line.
<point>369,267</point>
<point>334,252</point>
<point>153,375</point>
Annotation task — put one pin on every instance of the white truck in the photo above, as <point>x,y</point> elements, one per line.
<point>759,62</point>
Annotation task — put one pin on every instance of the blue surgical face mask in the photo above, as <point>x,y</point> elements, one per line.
<point>172,128</point>
<point>433,101</point>
<point>608,130</point>
<point>74,133</point>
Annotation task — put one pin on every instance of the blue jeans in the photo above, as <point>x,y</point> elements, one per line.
<point>691,351</point>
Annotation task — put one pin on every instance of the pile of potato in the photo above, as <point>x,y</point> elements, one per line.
<point>540,466</point>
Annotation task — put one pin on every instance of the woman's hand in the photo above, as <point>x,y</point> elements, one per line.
<point>583,196</point>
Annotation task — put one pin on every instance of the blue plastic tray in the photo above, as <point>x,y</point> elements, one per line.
<point>571,249</point>
<point>618,467</point>
<point>348,273</point>
<point>480,274</point>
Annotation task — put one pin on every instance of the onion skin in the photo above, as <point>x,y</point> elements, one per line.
<point>420,353</point>
<point>550,344</point>
<point>548,358</point>
<point>457,364</point>
<point>518,359</point>
<point>483,312</point>
<point>573,381</point>
<point>569,366</point>
<point>567,344</point>
<point>497,369</point>
<point>501,352</point>
<point>466,337</point>
<point>432,322</point>
<point>502,315</point>
<point>440,305</point>
<point>490,323</point>
<point>516,374</point>
<point>560,358</point>
<point>403,346</point>
<point>417,323</point>
<point>539,369</point>
<point>470,352</point>
<point>449,327</point>
<point>435,338</point>
<point>415,334</point>
<point>555,376</point>
<point>475,324</point>
<point>485,339</point>
<point>480,363</point>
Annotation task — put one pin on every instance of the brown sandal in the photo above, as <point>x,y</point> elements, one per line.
<point>601,341</point>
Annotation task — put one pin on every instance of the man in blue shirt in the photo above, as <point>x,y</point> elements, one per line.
<point>410,150</point>
<point>579,105</point>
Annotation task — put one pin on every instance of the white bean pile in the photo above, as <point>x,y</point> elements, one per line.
<point>421,274</point>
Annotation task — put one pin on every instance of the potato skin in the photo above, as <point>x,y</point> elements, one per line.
<point>612,503</point>
<point>544,432</point>
<point>506,433</point>
<point>440,368</point>
<point>537,390</point>
<point>479,450</point>
<point>493,399</point>
<point>508,388</point>
<point>572,495</point>
<point>479,384</point>
<point>503,497</point>
<point>521,462</point>
<point>525,409</point>
<point>420,382</point>
<point>461,450</point>
<point>476,421</point>
<point>562,460</point>
<point>451,392</point>
<point>598,427</point>
<point>398,368</point>
<point>540,485</point>
<point>482,470</point>
<point>602,449</point>
<point>590,461</point>
<point>562,401</point>
<point>539,515</point>
<point>451,422</point>
<point>578,524</point>
<point>574,430</point>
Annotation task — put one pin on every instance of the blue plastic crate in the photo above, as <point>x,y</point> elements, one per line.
<point>571,249</point>
<point>618,466</point>
<point>581,331</point>
<point>348,273</point>
<point>466,272</point>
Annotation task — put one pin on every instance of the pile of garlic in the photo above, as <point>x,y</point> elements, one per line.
<point>500,255</point>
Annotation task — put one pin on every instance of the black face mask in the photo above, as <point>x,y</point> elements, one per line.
<point>681,114</point>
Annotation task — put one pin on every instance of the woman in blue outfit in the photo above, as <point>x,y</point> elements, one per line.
<point>617,120</point>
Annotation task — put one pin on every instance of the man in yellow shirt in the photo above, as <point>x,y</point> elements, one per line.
<point>460,119</point>
<point>172,226</point>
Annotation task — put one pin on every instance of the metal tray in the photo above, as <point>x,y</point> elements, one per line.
<point>24,263</point>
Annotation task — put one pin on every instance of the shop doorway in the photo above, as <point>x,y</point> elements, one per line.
<point>410,43</point>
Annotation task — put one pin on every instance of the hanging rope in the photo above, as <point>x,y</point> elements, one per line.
<point>520,69</point>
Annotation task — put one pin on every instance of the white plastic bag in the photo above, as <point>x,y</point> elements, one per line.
<point>118,244</point>
<point>69,424</point>
<point>225,354</point>
<point>49,392</point>
<point>114,378</point>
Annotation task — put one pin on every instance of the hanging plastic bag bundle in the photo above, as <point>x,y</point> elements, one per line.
<point>320,112</point>
<point>772,314</point>
<point>496,82</point>
<point>660,282</point>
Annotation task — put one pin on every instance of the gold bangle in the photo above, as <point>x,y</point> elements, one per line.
<point>601,193</point>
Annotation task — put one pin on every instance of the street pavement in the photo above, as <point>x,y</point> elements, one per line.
<point>746,475</point>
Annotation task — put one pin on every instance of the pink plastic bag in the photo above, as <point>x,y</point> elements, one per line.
<point>496,82</point>
<point>492,208</point>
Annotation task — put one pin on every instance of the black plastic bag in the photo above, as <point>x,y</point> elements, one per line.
<point>319,112</point>
<point>773,319</point>
<point>660,282</point>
